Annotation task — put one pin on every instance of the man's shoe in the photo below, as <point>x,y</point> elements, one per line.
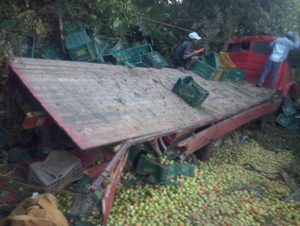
<point>258,85</point>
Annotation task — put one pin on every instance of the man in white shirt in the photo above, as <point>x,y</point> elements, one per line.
<point>281,48</point>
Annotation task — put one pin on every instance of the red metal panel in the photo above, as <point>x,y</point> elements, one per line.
<point>220,129</point>
<point>37,119</point>
<point>109,195</point>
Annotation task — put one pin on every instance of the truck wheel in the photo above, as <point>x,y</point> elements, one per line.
<point>204,153</point>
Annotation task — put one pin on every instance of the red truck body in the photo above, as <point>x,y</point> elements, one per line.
<point>103,106</point>
<point>251,53</point>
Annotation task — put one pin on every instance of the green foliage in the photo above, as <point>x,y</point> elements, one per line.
<point>164,23</point>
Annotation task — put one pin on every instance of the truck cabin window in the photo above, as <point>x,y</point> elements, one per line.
<point>239,47</point>
<point>262,48</point>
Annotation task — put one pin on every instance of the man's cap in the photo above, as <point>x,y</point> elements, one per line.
<point>194,35</point>
<point>290,34</point>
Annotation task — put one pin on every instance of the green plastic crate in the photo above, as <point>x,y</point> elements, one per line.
<point>206,71</point>
<point>225,76</point>
<point>140,50</point>
<point>109,44</point>
<point>238,74</point>
<point>146,166</point>
<point>137,150</point>
<point>288,110</point>
<point>138,60</point>
<point>155,60</point>
<point>283,120</point>
<point>212,59</point>
<point>90,52</point>
<point>121,56</point>
<point>77,39</point>
<point>163,174</point>
<point>190,91</point>
<point>186,170</point>
<point>71,28</point>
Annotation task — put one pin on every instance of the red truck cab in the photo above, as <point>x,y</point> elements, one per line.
<point>251,53</point>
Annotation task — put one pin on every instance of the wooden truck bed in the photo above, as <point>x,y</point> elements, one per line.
<point>99,104</point>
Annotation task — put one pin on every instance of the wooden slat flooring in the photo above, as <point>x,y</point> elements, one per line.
<point>98,104</point>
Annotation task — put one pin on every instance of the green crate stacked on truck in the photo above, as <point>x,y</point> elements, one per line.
<point>155,60</point>
<point>225,76</point>
<point>206,71</point>
<point>237,74</point>
<point>209,68</point>
<point>190,91</point>
<point>212,59</point>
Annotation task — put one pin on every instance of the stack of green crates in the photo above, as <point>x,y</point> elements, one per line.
<point>212,59</point>
<point>237,74</point>
<point>208,67</point>
<point>286,118</point>
<point>206,71</point>
<point>79,45</point>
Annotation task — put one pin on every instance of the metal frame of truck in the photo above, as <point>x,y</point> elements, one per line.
<point>193,133</point>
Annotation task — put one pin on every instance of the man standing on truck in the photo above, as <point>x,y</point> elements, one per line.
<point>280,49</point>
<point>184,58</point>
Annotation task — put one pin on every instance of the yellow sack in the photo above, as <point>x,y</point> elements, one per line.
<point>41,211</point>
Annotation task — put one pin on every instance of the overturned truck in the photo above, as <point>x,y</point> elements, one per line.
<point>103,110</point>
